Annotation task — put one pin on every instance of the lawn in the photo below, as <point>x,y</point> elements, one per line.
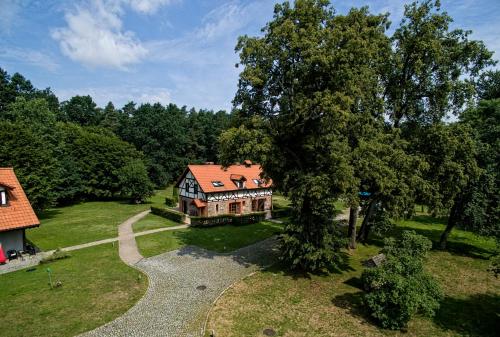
<point>152,221</point>
<point>330,305</point>
<point>220,239</point>
<point>81,223</point>
<point>86,222</point>
<point>96,288</point>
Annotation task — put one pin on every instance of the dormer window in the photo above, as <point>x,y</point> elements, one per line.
<point>4,197</point>
<point>217,183</point>
<point>257,182</point>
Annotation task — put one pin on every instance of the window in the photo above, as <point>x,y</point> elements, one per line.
<point>217,183</point>
<point>216,208</point>
<point>258,205</point>
<point>234,208</point>
<point>257,182</point>
<point>187,187</point>
<point>3,197</point>
<point>240,183</point>
<point>195,189</point>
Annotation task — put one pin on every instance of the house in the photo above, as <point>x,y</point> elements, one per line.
<point>209,190</point>
<point>16,213</point>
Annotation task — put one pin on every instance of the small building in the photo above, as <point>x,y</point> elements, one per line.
<point>209,190</point>
<point>16,213</point>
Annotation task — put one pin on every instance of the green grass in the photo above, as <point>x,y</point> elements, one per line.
<point>86,222</point>
<point>307,305</point>
<point>96,288</point>
<point>280,200</point>
<point>152,221</point>
<point>81,223</point>
<point>220,239</point>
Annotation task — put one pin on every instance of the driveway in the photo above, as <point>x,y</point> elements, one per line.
<point>182,286</point>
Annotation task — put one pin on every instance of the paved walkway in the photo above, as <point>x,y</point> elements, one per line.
<point>182,286</point>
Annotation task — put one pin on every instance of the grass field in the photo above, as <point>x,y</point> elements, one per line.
<point>330,305</point>
<point>86,222</point>
<point>220,239</point>
<point>96,288</point>
<point>152,221</point>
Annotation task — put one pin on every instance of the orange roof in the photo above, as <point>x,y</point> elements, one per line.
<point>199,203</point>
<point>205,174</point>
<point>18,213</point>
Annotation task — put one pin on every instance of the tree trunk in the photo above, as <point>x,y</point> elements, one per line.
<point>365,227</point>
<point>451,223</point>
<point>353,218</point>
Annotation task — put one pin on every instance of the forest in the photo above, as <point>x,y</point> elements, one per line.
<point>71,151</point>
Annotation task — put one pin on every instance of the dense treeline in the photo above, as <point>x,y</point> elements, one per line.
<point>72,151</point>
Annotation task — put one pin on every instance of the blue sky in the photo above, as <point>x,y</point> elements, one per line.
<point>179,51</point>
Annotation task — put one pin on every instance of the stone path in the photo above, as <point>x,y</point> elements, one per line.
<point>182,286</point>
<point>128,250</point>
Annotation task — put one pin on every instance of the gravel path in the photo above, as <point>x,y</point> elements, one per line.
<point>182,286</point>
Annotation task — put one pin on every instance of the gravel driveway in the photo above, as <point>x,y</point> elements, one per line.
<point>183,285</point>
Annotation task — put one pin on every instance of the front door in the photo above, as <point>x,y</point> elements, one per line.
<point>184,207</point>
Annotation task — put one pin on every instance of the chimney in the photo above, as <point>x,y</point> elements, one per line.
<point>247,163</point>
<point>208,163</point>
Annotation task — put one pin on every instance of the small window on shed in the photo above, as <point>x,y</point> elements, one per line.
<point>3,197</point>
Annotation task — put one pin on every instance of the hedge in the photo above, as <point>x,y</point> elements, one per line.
<point>170,202</point>
<point>169,214</point>
<point>244,219</point>
<point>279,212</point>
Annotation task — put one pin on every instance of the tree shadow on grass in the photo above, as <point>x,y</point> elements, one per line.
<point>456,245</point>
<point>49,214</point>
<point>264,254</point>
<point>353,303</point>
<point>477,315</point>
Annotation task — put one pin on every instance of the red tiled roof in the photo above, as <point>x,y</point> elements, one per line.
<point>199,203</point>
<point>18,213</point>
<point>205,174</point>
<point>237,177</point>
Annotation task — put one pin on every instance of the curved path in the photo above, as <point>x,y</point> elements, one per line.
<point>182,285</point>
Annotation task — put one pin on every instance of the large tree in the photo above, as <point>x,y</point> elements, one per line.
<point>304,79</point>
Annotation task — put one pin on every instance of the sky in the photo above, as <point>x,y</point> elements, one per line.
<point>167,51</point>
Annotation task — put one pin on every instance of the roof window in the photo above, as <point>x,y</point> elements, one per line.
<point>4,198</point>
<point>217,183</point>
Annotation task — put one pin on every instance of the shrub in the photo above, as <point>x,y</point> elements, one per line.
<point>58,254</point>
<point>197,221</point>
<point>170,202</point>
<point>281,212</point>
<point>400,288</point>
<point>168,214</point>
<point>495,265</point>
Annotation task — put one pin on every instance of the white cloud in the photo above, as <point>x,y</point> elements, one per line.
<point>27,56</point>
<point>119,95</point>
<point>95,37</point>
<point>148,6</point>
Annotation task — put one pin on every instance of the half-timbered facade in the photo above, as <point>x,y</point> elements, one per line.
<point>210,190</point>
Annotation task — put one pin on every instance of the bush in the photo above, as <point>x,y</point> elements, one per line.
<point>170,202</point>
<point>244,219</point>
<point>279,212</point>
<point>58,254</point>
<point>400,288</point>
<point>169,214</point>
